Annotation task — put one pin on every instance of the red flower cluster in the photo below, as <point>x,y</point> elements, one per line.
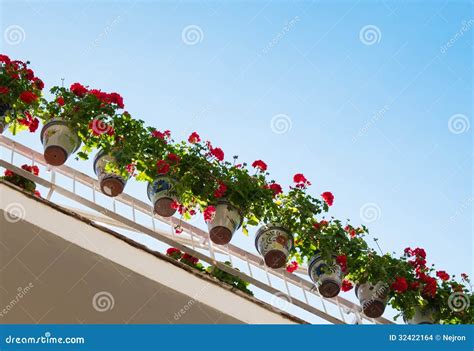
<point>259,164</point>
<point>4,90</point>
<point>276,188</point>
<point>301,181</point>
<point>194,138</point>
<point>99,127</point>
<point>328,197</point>
<point>351,231</point>
<point>162,167</point>
<point>217,153</point>
<point>60,101</point>
<point>220,191</point>
<point>293,266</point>
<point>173,158</point>
<point>442,275</point>
<point>321,224</point>
<point>341,260</point>
<point>108,98</point>
<point>28,97</point>
<point>29,121</point>
<point>190,259</point>
<point>173,252</point>
<point>78,89</point>
<point>178,229</point>
<point>400,285</point>
<point>31,169</point>
<point>161,135</point>
<point>346,285</point>
<point>209,213</point>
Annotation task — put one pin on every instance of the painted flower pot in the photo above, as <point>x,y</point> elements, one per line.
<point>422,316</point>
<point>161,193</point>
<point>111,184</point>
<point>227,219</point>
<point>373,298</point>
<point>59,141</point>
<point>3,111</point>
<point>274,243</point>
<point>328,278</point>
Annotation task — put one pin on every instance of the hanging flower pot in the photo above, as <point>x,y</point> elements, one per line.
<point>111,184</point>
<point>422,316</point>
<point>373,298</point>
<point>227,219</point>
<point>328,278</point>
<point>162,195</point>
<point>59,141</point>
<point>3,111</point>
<point>274,243</point>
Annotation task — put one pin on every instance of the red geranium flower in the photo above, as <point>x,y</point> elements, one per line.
<point>28,97</point>
<point>173,158</point>
<point>178,229</point>
<point>301,181</point>
<point>217,153</point>
<point>39,83</point>
<point>8,173</point>
<point>190,259</point>
<point>209,213</point>
<point>115,98</point>
<point>194,138</point>
<point>430,287</point>
<point>173,252</point>
<point>293,266</point>
<point>78,89</point>
<point>260,165</point>
<point>346,285</point>
<point>4,90</point>
<point>4,58</point>
<point>220,191</point>
<point>442,275</point>
<point>464,276</point>
<point>400,285</point>
<point>276,188</point>
<point>328,197</point>
<point>162,167</point>
<point>341,260</point>
<point>60,101</point>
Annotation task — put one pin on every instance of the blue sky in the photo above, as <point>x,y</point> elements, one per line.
<point>364,91</point>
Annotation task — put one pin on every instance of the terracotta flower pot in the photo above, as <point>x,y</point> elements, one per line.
<point>59,141</point>
<point>422,316</point>
<point>274,243</point>
<point>3,111</point>
<point>373,298</point>
<point>111,184</point>
<point>227,219</point>
<point>328,278</point>
<point>162,195</point>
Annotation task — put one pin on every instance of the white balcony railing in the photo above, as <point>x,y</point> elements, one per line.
<point>272,284</point>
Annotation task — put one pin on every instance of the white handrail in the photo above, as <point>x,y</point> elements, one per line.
<point>111,217</point>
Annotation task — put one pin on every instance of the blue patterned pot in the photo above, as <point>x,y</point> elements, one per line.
<point>327,277</point>
<point>162,195</point>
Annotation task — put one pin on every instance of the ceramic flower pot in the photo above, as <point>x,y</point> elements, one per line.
<point>3,111</point>
<point>111,184</point>
<point>161,193</point>
<point>422,316</point>
<point>274,243</point>
<point>328,278</point>
<point>373,298</point>
<point>59,141</point>
<point>227,219</point>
